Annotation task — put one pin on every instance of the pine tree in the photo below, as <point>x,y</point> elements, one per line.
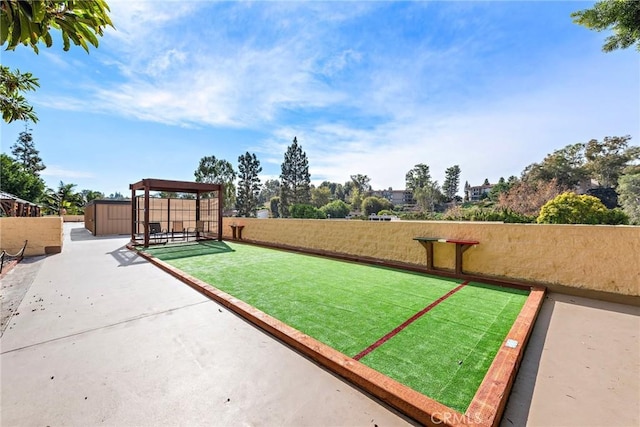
<point>25,153</point>
<point>248,185</point>
<point>295,186</point>
<point>451,182</point>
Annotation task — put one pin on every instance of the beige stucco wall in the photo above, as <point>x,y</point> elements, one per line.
<point>588,257</point>
<point>43,233</point>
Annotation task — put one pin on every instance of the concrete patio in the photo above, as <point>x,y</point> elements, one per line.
<point>98,336</point>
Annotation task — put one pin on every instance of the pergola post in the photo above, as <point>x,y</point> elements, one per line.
<point>146,216</point>
<point>134,211</point>
<point>220,208</point>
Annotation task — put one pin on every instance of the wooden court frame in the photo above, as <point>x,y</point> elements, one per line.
<point>490,399</point>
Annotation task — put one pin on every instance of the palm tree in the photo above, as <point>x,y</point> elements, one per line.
<point>63,200</point>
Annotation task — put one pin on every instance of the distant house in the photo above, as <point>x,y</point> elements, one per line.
<point>397,197</point>
<point>478,192</point>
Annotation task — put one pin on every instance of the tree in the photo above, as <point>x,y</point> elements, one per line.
<point>607,159</point>
<point>622,16</point>
<point>248,185</point>
<point>89,196</point>
<point>29,22</point>
<point>295,181</point>
<point>274,206</point>
<point>527,198</point>
<point>425,191</point>
<point>13,104</point>
<point>26,154</point>
<point>336,209</point>
<point>14,179</point>
<point>629,195</point>
<point>116,196</point>
<point>566,166</point>
<point>63,200</point>
<point>214,171</point>
<point>451,182</point>
<point>373,205</point>
<point>501,187</point>
<point>269,189</point>
<point>570,208</point>
<point>303,210</point>
<point>362,184</point>
<point>320,196</point>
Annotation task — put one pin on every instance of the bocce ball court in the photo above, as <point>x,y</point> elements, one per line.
<point>442,350</point>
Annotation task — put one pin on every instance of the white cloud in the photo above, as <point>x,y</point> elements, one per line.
<point>54,171</point>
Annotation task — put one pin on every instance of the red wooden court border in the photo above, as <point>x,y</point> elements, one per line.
<point>485,409</point>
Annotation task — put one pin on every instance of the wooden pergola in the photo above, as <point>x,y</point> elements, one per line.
<point>151,184</point>
<point>14,206</point>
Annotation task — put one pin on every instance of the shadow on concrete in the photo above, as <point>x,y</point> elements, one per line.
<point>599,305</point>
<point>79,234</point>
<point>517,409</point>
<point>126,257</point>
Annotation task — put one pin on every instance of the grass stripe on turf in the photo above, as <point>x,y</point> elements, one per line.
<point>406,323</point>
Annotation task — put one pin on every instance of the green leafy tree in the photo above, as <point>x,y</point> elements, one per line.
<point>607,159</point>
<point>336,209</point>
<point>629,195</point>
<point>622,16</point>
<point>90,195</point>
<point>248,185</point>
<point>218,171</point>
<point>320,196</point>
<point>274,206</point>
<point>451,183</point>
<point>373,205</point>
<point>29,22</point>
<point>302,210</point>
<point>295,181</point>
<point>64,200</point>
<point>116,196</point>
<point>570,208</point>
<point>501,187</point>
<point>361,183</point>
<point>269,189</point>
<point>425,191</point>
<point>565,166</point>
<point>25,153</point>
<point>13,104</point>
<point>16,180</point>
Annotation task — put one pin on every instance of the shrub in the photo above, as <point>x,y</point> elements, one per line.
<point>336,209</point>
<point>570,208</point>
<point>372,205</point>
<point>386,212</point>
<point>305,211</point>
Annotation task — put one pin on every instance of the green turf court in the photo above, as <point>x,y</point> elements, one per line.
<point>444,353</point>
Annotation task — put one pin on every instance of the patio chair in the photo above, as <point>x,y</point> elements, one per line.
<point>178,228</point>
<point>157,233</point>
<point>199,230</point>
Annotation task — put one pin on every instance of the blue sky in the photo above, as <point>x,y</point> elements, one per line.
<point>367,87</point>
